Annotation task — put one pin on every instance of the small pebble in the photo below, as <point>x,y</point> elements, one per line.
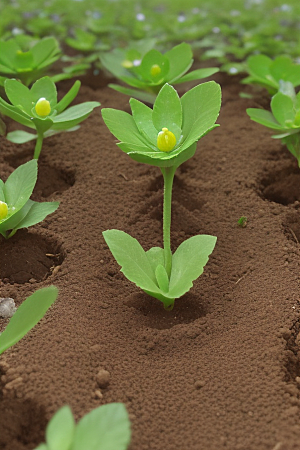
<point>199,384</point>
<point>102,378</point>
<point>7,307</point>
<point>98,394</point>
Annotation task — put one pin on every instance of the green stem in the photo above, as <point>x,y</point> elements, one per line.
<point>168,174</point>
<point>38,145</point>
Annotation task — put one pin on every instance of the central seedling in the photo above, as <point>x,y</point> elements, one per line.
<point>164,137</point>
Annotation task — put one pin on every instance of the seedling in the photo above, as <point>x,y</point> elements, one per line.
<point>242,222</point>
<point>164,137</point>
<point>38,108</point>
<point>16,209</point>
<point>268,73</point>
<point>284,118</point>
<point>149,73</point>
<point>104,428</point>
<point>29,313</point>
<point>27,66</point>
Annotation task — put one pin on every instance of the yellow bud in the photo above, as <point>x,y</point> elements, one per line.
<point>166,140</point>
<point>127,64</point>
<point>155,70</point>
<point>42,107</point>
<point>3,210</point>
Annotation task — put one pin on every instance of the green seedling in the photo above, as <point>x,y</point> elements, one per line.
<point>16,209</point>
<point>27,66</point>
<point>242,222</point>
<point>284,118</point>
<point>164,137</point>
<point>85,41</point>
<point>268,73</point>
<point>39,109</point>
<point>104,428</point>
<point>29,313</point>
<point>149,73</point>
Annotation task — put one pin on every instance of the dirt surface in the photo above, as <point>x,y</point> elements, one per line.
<point>219,371</point>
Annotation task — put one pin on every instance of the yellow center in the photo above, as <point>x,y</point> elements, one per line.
<point>3,210</point>
<point>155,70</point>
<point>127,64</point>
<point>166,140</point>
<point>42,107</point>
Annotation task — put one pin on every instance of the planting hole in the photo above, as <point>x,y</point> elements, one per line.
<point>282,186</point>
<point>28,257</point>
<point>186,309</point>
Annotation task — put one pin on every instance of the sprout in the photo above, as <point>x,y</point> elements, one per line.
<point>3,210</point>
<point>166,140</point>
<point>42,107</point>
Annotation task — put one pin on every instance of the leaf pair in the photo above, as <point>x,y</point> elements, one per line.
<point>147,269</point>
<point>153,70</point>
<point>268,73</point>
<point>284,118</point>
<point>187,118</point>
<point>21,211</point>
<point>23,108</point>
<point>104,428</point>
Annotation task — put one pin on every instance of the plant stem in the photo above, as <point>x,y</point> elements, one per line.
<point>38,145</point>
<point>168,174</point>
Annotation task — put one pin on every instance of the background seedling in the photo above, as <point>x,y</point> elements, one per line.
<point>38,108</point>
<point>164,137</point>
<point>16,209</point>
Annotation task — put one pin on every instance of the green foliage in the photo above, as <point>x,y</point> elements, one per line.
<point>104,428</point>
<point>27,65</point>
<point>147,269</point>
<point>284,118</point>
<point>18,211</point>
<point>242,222</point>
<point>29,313</point>
<point>188,118</point>
<point>52,118</point>
<point>151,71</point>
<point>164,137</point>
<point>268,73</point>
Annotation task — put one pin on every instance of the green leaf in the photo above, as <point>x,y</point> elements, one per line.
<point>105,428</point>
<point>20,136</point>
<point>144,96</point>
<point>68,98</point>
<point>282,108</point>
<point>263,117</point>
<point>156,257</point>
<point>42,447</point>
<point>153,58</point>
<point>2,198</point>
<point>29,313</point>
<point>188,262</point>
<point>112,61</point>
<point>44,88</point>
<point>44,49</point>
<point>167,111</point>
<point>19,185</point>
<point>142,116</point>
<point>60,430</point>
<point>180,60</point>
<point>15,114</point>
<point>130,255</point>
<point>197,75</point>
<point>75,112</point>
<point>259,65</point>
<point>201,107</point>
<point>7,50</point>
<point>18,94</point>
<point>122,126</point>
<point>23,61</point>
<point>162,278</point>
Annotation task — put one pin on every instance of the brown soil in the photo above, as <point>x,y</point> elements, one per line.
<point>219,371</point>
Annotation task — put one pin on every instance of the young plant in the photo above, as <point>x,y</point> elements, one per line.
<point>104,428</point>
<point>164,137</point>
<point>38,108</point>
<point>27,66</point>
<point>284,118</point>
<point>29,313</point>
<point>16,209</point>
<point>149,73</point>
<point>268,73</point>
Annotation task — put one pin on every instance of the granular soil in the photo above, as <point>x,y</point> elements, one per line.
<point>220,371</point>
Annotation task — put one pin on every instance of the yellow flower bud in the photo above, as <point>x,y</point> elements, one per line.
<point>166,140</point>
<point>3,210</point>
<point>42,107</point>
<point>127,64</point>
<point>155,70</point>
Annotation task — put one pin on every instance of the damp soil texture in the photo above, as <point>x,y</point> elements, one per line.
<point>220,371</point>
